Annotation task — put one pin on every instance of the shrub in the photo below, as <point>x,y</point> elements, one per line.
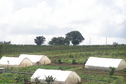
<point>59,61</point>
<point>74,61</point>
<point>37,81</point>
<point>111,72</point>
<point>25,79</point>
<point>50,79</point>
<point>71,56</point>
<point>18,78</point>
<point>124,70</point>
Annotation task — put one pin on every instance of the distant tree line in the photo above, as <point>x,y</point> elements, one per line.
<point>75,37</point>
<point>5,42</point>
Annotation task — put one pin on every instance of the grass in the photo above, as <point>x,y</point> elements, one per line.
<point>67,54</point>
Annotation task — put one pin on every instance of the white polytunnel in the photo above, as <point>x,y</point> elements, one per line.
<point>62,77</point>
<point>105,63</point>
<point>37,59</point>
<point>15,62</point>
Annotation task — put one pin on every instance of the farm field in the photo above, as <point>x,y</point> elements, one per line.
<point>66,58</point>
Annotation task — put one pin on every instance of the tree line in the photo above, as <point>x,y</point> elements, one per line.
<point>75,37</point>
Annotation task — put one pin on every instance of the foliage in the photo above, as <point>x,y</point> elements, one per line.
<point>75,42</point>
<point>119,80</point>
<point>124,70</point>
<point>115,44</point>
<point>58,41</point>
<point>39,40</point>
<point>33,68</point>
<point>111,72</point>
<point>75,37</point>
<point>1,47</point>
<point>67,53</point>
<point>49,79</point>
<point>37,81</point>
<point>73,69</point>
<point>21,78</point>
<point>59,61</point>
<point>74,61</point>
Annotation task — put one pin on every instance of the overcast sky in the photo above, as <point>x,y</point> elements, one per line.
<point>22,20</point>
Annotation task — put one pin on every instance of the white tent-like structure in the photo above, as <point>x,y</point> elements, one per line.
<point>62,77</point>
<point>15,62</point>
<point>105,63</point>
<point>37,59</point>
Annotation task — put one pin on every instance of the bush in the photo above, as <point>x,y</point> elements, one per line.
<point>111,72</point>
<point>50,79</point>
<point>21,78</point>
<point>124,70</point>
<point>37,81</point>
<point>74,61</point>
<point>59,61</point>
<point>71,56</point>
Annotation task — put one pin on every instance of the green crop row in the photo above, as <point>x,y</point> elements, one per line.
<point>52,50</point>
<point>65,55</point>
<point>100,79</point>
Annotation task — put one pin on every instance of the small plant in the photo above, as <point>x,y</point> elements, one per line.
<point>60,68</point>
<point>71,56</point>
<point>37,81</point>
<point>50,79</point>
<point>25,79</point>
<point>111,72</point>
<point>21,78</point>
<point>74,61</point>
<point>124,70</point>
<point>59,61</point>
<point>18,78</point>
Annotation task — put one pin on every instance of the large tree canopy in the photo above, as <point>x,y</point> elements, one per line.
<point>39,40</point>
<point>75,37</point>
<point>58,41</point>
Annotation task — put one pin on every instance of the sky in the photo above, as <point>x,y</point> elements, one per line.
<point>99,21</point>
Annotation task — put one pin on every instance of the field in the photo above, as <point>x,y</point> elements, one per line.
<point>66,58</point>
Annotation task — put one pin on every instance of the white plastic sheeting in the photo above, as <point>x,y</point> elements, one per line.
<point>42,59</point>
<point>62,77</point>
<point>105,63</point>
<point>15,62</point>
<point>10,60</point>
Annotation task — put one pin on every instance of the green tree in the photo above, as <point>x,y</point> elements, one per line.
<point>39,40</point>
<point>58,41</point>
<point>75,42</point>
<point>75,37</point>
<point>1,46</point>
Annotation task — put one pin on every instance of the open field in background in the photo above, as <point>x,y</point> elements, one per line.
<point>72,58</point>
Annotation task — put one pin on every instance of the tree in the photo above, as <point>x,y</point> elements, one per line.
<point>115,44</point>
<point>1,46</point>
<point>58,41</point>
<point>75,42</point>
<point>75,37</point>
<point>39,40</point>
